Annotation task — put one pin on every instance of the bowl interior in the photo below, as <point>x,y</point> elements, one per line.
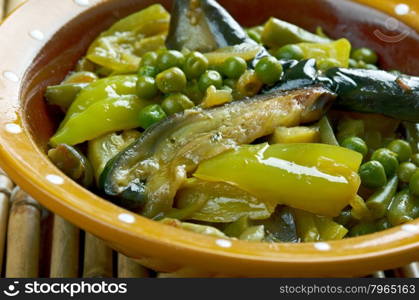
<point>59,55</point>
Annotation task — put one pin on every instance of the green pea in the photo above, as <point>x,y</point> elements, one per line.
<point>175,103</point>
<point>415,159</point>
<point>149,59</point>
<point>414,184</point>
<point>388,159</point>
<point>195,65</point>
<point>371,67</point>
<point>327,64</point>
<point>148,71</point>
<point>365,54</point>
<point>357,144</point>
<point>150,115</point>
<point>406,171</point>
<point>353,63</point>
<point>234,67</point>
<point>372,174</point>
<point>172,80</point>
<point>193,92</point>
<point>254,35</point>
<point>230,83</point>
<point>170,59</point>
<point>402,149</point>
<point>290,52</point>
<point>146,87</point>
<point>210,77</point>
<point>268,70</point>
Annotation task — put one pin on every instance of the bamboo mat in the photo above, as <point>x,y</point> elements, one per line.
<point>36,243</point>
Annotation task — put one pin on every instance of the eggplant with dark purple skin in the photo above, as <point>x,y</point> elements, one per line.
<point>158,163</point>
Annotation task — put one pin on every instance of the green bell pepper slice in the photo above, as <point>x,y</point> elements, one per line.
<point>116,48</point>
<point>318,178</point>
<point>109,115</point>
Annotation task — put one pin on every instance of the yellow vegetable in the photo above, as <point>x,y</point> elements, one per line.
<point>318,178</point>
<point>245,51</point>
<point>299,134</point>
<point>202,229</point>
<point>339,50</point>
<point>216,97</point>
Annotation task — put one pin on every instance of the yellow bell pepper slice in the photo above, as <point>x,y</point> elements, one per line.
<point>318,178</point>
<point>339,50</point>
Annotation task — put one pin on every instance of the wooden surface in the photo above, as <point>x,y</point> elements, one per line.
<point>35,243</point>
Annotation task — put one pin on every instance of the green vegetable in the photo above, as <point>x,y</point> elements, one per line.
<point>169,59</point>
<point>201,134</point>
<point>109,115</point>
<point>349,127</point>
<point>234,67</point>
<point>328,63</point>
<point>381,199</point>
<point>245,51</point>
<point>195,65</point>
<point>171,81</point>
<point>149,59</point>
<point>363,229</point>
<point>73,163</point>
<point>335,53</point>
<point>306,226</point>
<point>150,115</point>
<point>280,227</point>
<point>412,134</point>
<point>402,149</point>
<point>116,48</point>
<point>104,148</point>
<point>209,78</point>
<point>236,228</point>
<point>256,169</point>
<point>269,70</point>
<point>366,55</point>
<point>406,171</point>
<point>202,229</point>
<point>415,159</point>
<point>248,85</point>
<point>63,95</point>
<point>403,208</point>
<point>278,33</point>
<point>147,71</point>
<point>253,234</point>
<point>388,159</point>
<point>146,87</point>
<point>193,92</point>
<point>326,132</point>
<point>357,144</point>
<point>175,103</point>
<point>414,184</point>
<point>373,174</point>
<point>288,52</point>
<point>223,203</point>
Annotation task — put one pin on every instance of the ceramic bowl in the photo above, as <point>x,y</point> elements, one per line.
<point>41,42</point>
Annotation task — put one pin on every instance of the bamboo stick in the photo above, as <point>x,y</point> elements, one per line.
<point>2,8</point>
<point>12,4</point>
<point>409,271</point>
<point>97,258</point>
<point>23,236</point>
<point>65,249</point>
<point>128,268</point>
<point>6,185</point>
<point>379,274</point>
<point>4,217</point>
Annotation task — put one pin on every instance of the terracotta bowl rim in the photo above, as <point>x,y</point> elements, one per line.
<point>30,168</point>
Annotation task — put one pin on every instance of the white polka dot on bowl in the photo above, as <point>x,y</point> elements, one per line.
<point>223,243</point>
<point>55,179</point>
<point>322,246</point>
<point>82,2</point>
<point>126,218</point>
<point>37,35</point>
<point>13,128</point>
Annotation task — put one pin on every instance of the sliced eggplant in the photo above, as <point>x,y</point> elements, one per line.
<point>168,151</point>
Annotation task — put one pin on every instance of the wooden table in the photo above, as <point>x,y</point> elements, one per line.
<point>37,243</point>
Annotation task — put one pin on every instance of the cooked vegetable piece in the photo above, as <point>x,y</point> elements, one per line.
<point>365,54</point>
<point>327,136</point>
<point>280,227</point>
<point>172,80</point>
<point>348,128</point>
<point>202,229</point>
<point>234,67</point>
<point>373,174</point>
<point>268,70</point>
<point>414,184</point>
<point>73,163</point>
<point>359,209</point>
<point>357,144</point>
<point>253,234</point>
<point>388,159</point>
<point>292,51</point>
<point>80,77</point>
<point>300,75</point>
<point>236,228</point>
<point>163,156</point>
<point>306,226</point>
<point>412,134</point>
<point>170,59</point>
<point>248,85</point>
<point>175,103</point>
<point>402,149</point>
<point>406,171</point>
<point>216,97</point>
<point>63,95</point>
<point>116,48</point>
<point>323,53</point>
<point>245,51</point>
<point>146,87</point>
<point>328,229</point>
<point>278,33</point>
<point>299,134</point>
<point>195,65</point>
<point>209,78</point>
<point>151,115</point>
<point>279,173</point>
<point>203,26</point>
<point>381,199</point>
<point>109,115</point>
<point>403,208</point>
<point>104,148</point>
<point>224,203</point>
<point>393,96</point>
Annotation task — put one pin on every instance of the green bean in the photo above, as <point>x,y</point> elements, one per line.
<point>380,200</point>
<point>412,134</point>
<point>403,208</point>
<point>253,234</point>
<point>327,135</point>
<point>362,229</point>
<point>236,228</point>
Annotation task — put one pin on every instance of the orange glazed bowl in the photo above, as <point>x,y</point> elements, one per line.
<point>42,41</point>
